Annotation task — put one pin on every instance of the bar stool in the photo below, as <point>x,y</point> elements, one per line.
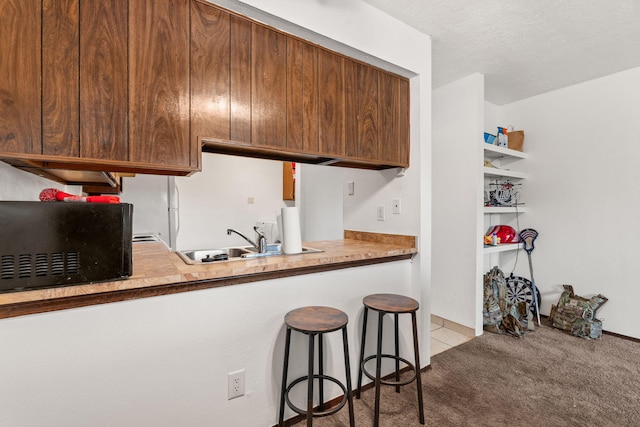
<point>392,304</point>
<point>314,321</point>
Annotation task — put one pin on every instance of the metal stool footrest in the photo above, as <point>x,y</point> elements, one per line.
<point>387,382</point>
<point>322,413</point>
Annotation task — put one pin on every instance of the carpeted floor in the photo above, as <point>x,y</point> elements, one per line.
<point>547,378</point>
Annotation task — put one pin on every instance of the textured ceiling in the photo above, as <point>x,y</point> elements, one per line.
<point>524,47</point>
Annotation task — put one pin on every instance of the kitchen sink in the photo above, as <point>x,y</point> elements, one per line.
<point>210,255</point>
<point>201,256</point>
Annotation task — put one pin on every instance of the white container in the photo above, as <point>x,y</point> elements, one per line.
<point>290,231</point>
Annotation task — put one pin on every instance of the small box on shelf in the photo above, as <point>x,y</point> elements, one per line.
<point>515,140</point>
<point>489,139</point>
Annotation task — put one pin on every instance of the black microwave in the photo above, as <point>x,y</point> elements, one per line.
<point>47,244</point>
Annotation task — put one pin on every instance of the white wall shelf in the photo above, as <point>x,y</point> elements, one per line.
<point>503,209</point>
<point>490,249</point>
<point>495,152</point>
<point>505,173</point>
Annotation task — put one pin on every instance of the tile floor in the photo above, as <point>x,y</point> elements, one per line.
<point>446,334</point>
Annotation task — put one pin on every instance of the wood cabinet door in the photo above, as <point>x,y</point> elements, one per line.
<point>331,114</point>
<point>240,79</point>
<point>268,87</point>
<point>310,99</point>
<point>361,109</point>
<point>159,83</point>
<point>61,77</point>
<point>20,86</point>
<point>404,106</point>
<point>351,109</point>
<point>103,81</point>
<point>368,122</point>
<point>210,73</point>
<point>390,118</point>
<point>295,94</point>
<point>302,96</point>
<point>394,119</point>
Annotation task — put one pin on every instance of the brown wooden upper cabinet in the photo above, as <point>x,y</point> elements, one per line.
<point>97,85</point>
<point>134,85</point>
<point>261,92</point>
<point>377,109</point>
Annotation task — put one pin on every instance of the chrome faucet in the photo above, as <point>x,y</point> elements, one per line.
<point>262,239</point>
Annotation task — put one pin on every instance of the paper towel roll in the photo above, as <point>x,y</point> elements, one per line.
<point>290,232</point>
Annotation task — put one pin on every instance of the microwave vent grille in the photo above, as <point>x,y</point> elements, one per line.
<point>57,264</point>
<point>54,264</point>
<point>42,265</point>
<point>24,266</point>
<point>73,264</point>
<point>7,267</point>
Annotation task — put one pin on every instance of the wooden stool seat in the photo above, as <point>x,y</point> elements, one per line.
<point>391,303</point>
<point>316,319</point>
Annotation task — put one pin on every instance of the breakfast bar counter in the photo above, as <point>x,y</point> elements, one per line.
<point>158,271</point>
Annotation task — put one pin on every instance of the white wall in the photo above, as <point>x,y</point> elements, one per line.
<point>320,202</point>
<point>582,192</point>
<point>492,118</point>
<point>458,123</point>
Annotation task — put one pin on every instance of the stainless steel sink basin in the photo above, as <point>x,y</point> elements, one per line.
<point>211,255</point>
<point>200,256</point>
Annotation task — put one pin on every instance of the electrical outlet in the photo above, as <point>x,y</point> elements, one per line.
<point>236,384</point>
<point>397,207</point>
<point>381,213</point>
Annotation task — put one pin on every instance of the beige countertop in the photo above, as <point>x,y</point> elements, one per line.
<point>158,271</point>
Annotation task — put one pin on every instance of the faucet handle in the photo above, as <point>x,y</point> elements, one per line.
<point>262,240</point>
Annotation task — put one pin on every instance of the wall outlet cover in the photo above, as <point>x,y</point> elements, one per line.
<point>236,384</point>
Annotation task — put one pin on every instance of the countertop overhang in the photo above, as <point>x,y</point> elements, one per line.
<point>158,271</point>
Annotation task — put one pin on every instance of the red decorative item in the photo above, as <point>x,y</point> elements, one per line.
<point>505,233</point>
<point>52,194</point>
